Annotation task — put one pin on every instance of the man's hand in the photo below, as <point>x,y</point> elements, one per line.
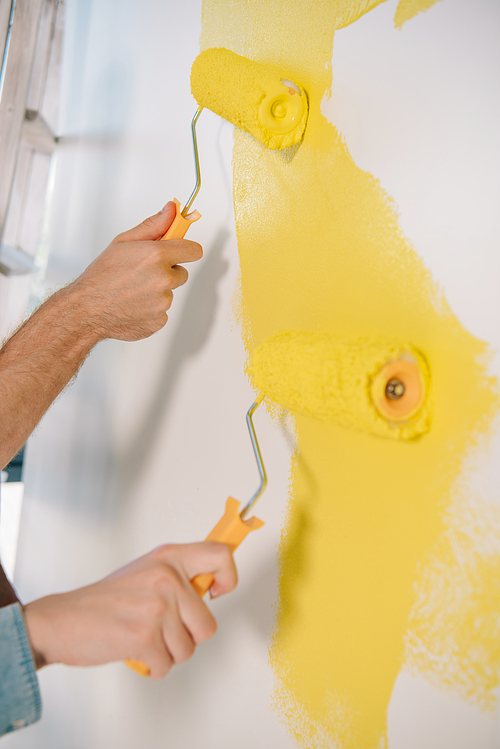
<point>127,290</point>
<point>147,611</point>
<point>123,294</point>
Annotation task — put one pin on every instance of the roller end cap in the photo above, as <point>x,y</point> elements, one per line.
<point>398,390</point>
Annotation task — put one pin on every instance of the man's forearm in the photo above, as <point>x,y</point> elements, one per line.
<point>38,362</point>
<point>124,294</point>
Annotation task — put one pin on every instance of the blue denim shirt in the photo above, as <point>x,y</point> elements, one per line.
<point>20,702</point>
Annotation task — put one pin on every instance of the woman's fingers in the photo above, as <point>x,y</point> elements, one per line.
<point>147,611</point>
<point>157,657</point>
<point>213,558</point>
<point>177,637</point>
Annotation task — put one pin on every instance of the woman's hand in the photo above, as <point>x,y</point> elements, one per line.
<point>147,611</point>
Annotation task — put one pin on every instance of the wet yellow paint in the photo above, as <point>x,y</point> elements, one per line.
<point>367,536</point>
<point>453,635</point>
<point>409,8</point>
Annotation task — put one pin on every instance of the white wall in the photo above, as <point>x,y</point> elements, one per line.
<point>148,443</point>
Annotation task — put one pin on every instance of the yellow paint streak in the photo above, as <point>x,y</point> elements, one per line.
<point>409,8</point>
<point>454,631</point>
<point>321,250</point>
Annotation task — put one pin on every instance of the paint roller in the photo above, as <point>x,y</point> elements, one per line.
<point>372,385</point>
<point>253,96</point>
<point>256,98</point>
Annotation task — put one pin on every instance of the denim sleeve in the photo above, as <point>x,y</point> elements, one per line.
<point>20,702</point>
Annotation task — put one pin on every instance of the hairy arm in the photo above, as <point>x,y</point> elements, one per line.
<point>37,363</point>
<point>124,294</point>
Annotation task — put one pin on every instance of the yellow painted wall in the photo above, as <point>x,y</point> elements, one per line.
<point>383,562</point>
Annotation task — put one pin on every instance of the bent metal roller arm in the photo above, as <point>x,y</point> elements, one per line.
<point>183,220</point>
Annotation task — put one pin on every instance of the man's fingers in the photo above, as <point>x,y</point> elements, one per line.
<point>177,277</point>
<point>151,228</point>
<point>181,251</point>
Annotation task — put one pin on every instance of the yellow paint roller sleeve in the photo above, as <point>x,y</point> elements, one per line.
<point>251,96</point>
<point>333,380</point>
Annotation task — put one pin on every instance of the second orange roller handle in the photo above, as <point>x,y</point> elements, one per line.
<point>230,530</point>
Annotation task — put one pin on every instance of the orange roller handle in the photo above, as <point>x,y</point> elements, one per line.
<point>138,666</point>
<point>180,224</point>
<point>230,530</point>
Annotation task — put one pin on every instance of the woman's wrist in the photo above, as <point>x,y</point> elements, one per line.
<point>35,629</point>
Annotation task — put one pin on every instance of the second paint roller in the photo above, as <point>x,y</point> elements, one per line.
<point>372,384</point>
